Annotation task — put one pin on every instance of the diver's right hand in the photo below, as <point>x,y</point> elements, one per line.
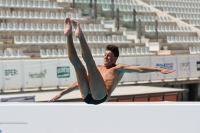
<point>55,97</point>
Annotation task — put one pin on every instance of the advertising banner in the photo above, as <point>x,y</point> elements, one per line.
<point>33,73</point>
<point>120,60</point>
<point>157,61</point>
<point>65,72</point>
<point>12,73</point>
<point>194,66</point>
<point>49,73</point>
<point>183,68</point>
<point>132,76</point>
<point>1,75</point>
<point>143,61</point>
<point>16,74</point>
<point>170,64</point>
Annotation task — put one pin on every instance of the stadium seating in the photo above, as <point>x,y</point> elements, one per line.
<point>151,28</point>
<point>126,8</point>
<point>146,18</point>
<point>97,52</point>
<point>47,27</point>
<point>13,54</point>
<point>44,40</point>
<point>36,27</point>
<point>118,2</point>
<point>29,4</point>
<point>38,15</point>
<point>177,4</point>
<point>49,14</point>
<point>194,50</point>
<point>183,39</point>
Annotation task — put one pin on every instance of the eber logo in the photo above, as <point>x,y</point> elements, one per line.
<point>63,72</point>
<point>11,72</point>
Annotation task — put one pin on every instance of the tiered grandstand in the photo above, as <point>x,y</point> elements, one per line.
<point>33,52</point>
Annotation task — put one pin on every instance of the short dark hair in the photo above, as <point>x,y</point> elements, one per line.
<point>114,49</point>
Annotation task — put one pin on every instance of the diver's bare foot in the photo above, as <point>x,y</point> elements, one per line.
<point>78,31</point>
<point>67,27</point>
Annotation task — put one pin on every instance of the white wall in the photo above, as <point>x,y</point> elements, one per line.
<point>152,117</point>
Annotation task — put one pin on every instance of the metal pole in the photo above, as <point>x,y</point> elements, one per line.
<point>140,24</point>
<point>95,9</point>
<point>156,29</point>
<point>90,3</point>
<point>134,19</point>
<point>112,10</point>
<point>73,4</point>
<point>117,19</point>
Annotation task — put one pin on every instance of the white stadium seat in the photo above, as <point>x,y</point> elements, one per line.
<point>14,53</point>
<point>21,54</point>
<point>48,53</point>
<point>93,51</point>
<point>43,53</point>
<point>7,54</point>
<point>1,54</point>
<point>65,53</point>
<point>54,53</point>
<point>100,52</point>
<point>60,53</point>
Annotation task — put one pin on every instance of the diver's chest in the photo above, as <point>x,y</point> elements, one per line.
<point>108,72</point>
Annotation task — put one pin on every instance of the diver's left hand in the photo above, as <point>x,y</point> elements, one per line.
<point>165,71</point>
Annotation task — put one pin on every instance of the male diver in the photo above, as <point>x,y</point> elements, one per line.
<point>97,86</point>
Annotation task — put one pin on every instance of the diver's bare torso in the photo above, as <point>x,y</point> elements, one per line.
<point>111,77</point>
